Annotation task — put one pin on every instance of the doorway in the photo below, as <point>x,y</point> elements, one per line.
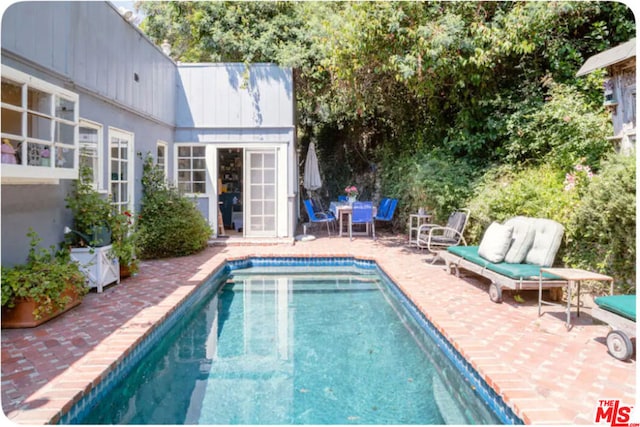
<point>230,189</point>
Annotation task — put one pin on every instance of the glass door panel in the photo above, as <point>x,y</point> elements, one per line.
<point>261,215</point>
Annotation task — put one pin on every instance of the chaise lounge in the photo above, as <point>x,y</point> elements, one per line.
<point>619,312</point>
<point>510,255</point>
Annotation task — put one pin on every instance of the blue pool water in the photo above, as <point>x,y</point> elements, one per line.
<point>303,345</point>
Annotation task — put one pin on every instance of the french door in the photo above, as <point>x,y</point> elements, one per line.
<point>261,192</point>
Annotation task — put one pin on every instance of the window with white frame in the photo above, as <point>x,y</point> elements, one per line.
<point>161,157</point>
<point>91,152</point>
<point>38,130</point>
<point>121,169</point>
<point>192,172</point>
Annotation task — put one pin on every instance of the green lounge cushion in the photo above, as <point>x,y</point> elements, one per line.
<point>624,305</point>
<point>513,271</point>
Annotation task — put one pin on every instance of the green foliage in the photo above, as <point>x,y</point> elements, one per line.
<point>169,224</point>
<point>44,278</point>
<point>433,181</point>
<point>601,234</point>
<point>90,210</point>
<point>125,238</point>
<point>563,130</point>
<point>504,192</point>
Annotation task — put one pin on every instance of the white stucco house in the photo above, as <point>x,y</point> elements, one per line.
<point>82,85</point>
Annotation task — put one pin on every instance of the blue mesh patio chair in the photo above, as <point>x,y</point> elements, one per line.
<point>342,198</point>
<point>318,217</point>
<point>386,209</point>
<point>362,213</point>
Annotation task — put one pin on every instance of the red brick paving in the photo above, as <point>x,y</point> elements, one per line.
<point>548,375</point>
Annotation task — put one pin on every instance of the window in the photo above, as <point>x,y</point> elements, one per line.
<point>191,169</point>
<point>161,157</point>
<point>121,169</point>
<point>39,122</point>
<point>91,151</point>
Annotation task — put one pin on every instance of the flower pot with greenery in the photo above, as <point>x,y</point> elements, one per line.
<point>46,286</point>
<point>90,238</point>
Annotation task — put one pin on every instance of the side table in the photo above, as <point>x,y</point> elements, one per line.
<point>415,221</point>
<point>573,276</point>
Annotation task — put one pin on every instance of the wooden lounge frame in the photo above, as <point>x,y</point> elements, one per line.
<point>498,281</point>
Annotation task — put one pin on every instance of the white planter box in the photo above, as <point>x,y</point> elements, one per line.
<point>98,267</point>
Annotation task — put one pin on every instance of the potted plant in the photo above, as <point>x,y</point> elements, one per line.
<point>90,238</point>
<point>46,286</point>
<point>124,242</point>
<point>91,214</point>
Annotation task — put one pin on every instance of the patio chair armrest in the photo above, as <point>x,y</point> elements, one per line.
<point>426,227</point>
<point>440,231</point>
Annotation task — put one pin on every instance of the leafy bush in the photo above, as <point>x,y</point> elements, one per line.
<point>434,181</point>
<point>170,224</point>
<point>601,234</point>
<point>564,130</point>
<point>504,192</point>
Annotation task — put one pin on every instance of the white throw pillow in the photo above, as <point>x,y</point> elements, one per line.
<point>521,239</point>
<point>495,242</point>
<point>546,242</point>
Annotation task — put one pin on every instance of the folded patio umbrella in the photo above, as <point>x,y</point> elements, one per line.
<point>312,180</point>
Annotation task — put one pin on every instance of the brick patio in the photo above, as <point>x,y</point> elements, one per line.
<point>548,375</point>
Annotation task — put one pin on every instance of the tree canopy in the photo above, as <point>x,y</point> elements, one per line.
<point>453,72</point>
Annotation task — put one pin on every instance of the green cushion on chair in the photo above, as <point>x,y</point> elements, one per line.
<point>624,305</point>
<point>513,271</point>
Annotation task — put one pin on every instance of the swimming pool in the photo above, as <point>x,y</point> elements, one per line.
<point>284,342</point>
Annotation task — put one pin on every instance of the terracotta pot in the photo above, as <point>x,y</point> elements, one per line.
<point>21,316</point>
<point>125,271</point>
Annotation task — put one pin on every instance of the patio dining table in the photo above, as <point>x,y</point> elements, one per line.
<point>342,209</point>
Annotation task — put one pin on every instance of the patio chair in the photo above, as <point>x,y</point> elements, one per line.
<point>318,217</point>
<point>435,237</point>
<point>362,213</point>
<point>318,207</point>
<point>342,198</point>
<point>386,209</point>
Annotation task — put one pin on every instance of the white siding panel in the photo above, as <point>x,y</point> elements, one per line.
<point>219,97</point>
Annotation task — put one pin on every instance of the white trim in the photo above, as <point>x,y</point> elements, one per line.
<point>129,136</point>
<point>99,128</point>
<point>55,170</point>
<point>165,145</point>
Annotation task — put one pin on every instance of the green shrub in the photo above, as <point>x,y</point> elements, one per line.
<point>564,130</point>
<point>434,181</point>
<point>504,192</point>
<point>170,224</point>
<point>601,235</point>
